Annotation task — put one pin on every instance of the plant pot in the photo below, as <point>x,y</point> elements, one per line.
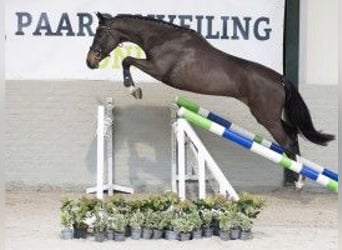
<point>171,235</point>
<point>157,234</point>
<point>208,232</point>
<point>110,234</point>
<point>197,234</point>
<point>100,236</point>
<point>246,235</point>
<point>184,236</point>
<point>80,233</point>
<point>216,227</point>
<point>119,236</point>
<point>136,233</point>
<point>224,235</point>
<point>146,233</point>
<point>67,234</point>
<point>128,232</point>
<point>235,234</point>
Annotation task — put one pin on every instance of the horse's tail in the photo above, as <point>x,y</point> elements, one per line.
<point>298,115</point>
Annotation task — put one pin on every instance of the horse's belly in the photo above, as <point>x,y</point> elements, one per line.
<point>204,81</point>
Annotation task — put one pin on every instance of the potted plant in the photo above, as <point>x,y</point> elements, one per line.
<point>225,226</point>
<point>100,225</point>
<point>195,219</point>
<point>159,225</point>
<point>79,212</point>
<point>136,220</point>
<point>250,205</point>
<point>184,227</point>
<point>148,224</point>
<point>66,219</point>
<point>169,217</point>
<point>215,221</point>
<point>246,225</point>
<point>118,222</point>
<point>207,218</point>
<point>235,231</point>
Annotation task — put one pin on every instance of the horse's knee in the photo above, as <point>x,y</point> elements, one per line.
<point>127,61</point>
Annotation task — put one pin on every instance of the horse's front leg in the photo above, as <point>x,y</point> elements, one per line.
<point>142,64</point>
<point>127,77</point>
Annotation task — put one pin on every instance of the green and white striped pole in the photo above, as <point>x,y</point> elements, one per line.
<point>257,148</point>
<point>183,102</point>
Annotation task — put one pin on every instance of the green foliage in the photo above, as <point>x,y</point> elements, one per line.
<point>216,202</point>
<point>136,219</point>
<point>185,206</point>
<point>246,223</point>
<point>155,203</point>
<point>229,220</point>
<point>250,205</point>
<point>195,219</point>
<point>181,224</point>
<point>117,204</point>
<point>148,220</point>
<point>160,212</point>
<point>168,217</point>
<point>207,217</point>
<point>158,221</point>
<point>101,221</point>
<point>80,210</point>
<point>66,216</point>
<point>118,222</point>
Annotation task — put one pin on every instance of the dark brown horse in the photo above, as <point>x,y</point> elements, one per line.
<point>183,59</point>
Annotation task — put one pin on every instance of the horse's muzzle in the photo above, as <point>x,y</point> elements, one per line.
<point>92,60</point>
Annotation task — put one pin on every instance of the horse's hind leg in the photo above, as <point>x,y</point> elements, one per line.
<point>287,138</point>
<point>290,176</point>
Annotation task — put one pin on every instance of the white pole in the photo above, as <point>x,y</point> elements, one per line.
<point>211,164</point>
<point>181,161</point>
<point>109,117</point>
<point>201,175</point>
<point>174,158</point>
<point>100,152</point>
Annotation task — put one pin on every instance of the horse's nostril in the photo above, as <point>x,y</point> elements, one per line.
<point>90,64</point>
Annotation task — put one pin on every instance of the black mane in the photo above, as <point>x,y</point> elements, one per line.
<point>153,20</point>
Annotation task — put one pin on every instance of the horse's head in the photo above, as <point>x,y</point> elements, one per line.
<point>104,42</point>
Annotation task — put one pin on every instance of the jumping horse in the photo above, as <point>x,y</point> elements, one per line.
<point>182,58</point>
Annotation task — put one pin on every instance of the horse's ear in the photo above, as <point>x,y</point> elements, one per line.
<point>100,17</point>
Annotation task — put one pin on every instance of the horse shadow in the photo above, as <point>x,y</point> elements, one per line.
<point>142,137</point>
<point>142,152</point>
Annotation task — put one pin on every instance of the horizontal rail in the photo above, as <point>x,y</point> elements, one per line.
<point>181,101</point>
<point>259,149</point>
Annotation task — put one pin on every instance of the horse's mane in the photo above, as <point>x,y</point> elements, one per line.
<point>152,20</point>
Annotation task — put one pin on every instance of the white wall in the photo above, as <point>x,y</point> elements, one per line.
<point>318,63</point>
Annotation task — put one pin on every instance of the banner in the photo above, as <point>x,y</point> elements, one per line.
<point>50,39</point>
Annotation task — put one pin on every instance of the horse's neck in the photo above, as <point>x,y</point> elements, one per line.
<point>136,31</point>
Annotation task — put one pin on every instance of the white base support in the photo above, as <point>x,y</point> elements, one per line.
<point>184,136</point>
<point>112,187</point>
<point>105,137</point>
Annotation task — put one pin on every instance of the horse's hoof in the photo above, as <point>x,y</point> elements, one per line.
<point>136,92</point>
<point>139,93</point>
<point>299,185</point>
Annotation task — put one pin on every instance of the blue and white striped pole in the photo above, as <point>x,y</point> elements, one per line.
<point>245,133</point>
<point>257,148</point>
<point>181,101</point>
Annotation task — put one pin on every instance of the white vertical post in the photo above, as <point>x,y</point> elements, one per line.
<point>181,162</point>
<point>109,117</point>
<point>174,158</point>
<point>201,175</point>
<point>110,163</point>
<point>100,152</point>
